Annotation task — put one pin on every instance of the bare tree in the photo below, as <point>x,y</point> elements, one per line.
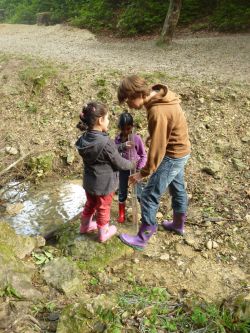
<point>171,21</point>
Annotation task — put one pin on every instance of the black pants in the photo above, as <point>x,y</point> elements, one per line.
<point>123,186</point>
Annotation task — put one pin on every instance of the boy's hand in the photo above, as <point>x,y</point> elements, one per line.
<point>129,144</point>
<point>135,178</point>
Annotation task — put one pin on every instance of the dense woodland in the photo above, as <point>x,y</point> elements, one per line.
<point>131,17</point>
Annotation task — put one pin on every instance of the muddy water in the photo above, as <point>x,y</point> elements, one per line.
<point>33,210</point>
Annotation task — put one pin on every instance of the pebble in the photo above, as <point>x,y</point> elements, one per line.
<point>209,245</point>
<point>165,257</point>
<point>215,245</point>
<point>189,240</point>
<point>136,261</point>
<point>159,215</point>
<point>11,150</point>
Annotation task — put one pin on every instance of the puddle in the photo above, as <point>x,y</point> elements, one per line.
<point>33,210</point>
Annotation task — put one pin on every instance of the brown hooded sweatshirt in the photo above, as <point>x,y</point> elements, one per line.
<point>167,127</point>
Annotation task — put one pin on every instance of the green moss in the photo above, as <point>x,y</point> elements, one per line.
<point>7,253</point>
<point>90,255</point>
<point>105,254</point>
<point>41,164</point>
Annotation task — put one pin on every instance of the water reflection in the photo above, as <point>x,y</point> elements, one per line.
<point>45,207</point>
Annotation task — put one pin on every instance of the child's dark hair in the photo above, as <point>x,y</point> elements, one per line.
<point>125,119</point>
<point>90,112</point>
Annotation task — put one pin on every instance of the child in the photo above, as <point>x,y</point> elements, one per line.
<point>169,150</point>
<point>127,148</point>
<point>101,162</point>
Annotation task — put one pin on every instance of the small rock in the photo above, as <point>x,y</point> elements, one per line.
<point>209,245</point>
<point>189,240</point>
<point>165,257</point>
<point>159,215</point>
<point>11,150</point>
<point>40,241</point>
<point>70,158</point>
<point>248,218</point>
<point>179,262</point>
<point>129,211</point>
<point>53,316</point>
<point>14,209</point>
<point>202,100</point>
<point>245,139</point>
<point>238,164</point>
<point>136,260</point>
<point>215,245</point>
<point>212,168</point>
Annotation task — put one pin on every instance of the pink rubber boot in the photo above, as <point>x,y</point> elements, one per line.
<point>87,225</point>
<point>106,232</point>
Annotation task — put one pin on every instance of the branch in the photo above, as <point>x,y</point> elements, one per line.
<point>14,164</point>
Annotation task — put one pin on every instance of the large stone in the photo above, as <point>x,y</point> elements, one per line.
<point>83,318</point>
<point>64,275</point>
<point>16,274</point>
<point>21,245</point>
<point>91,254</point>
<point>212,168</point>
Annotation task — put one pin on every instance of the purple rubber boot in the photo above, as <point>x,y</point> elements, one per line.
<point>87,225</point>
<point>177,225</point>
<point>139,241</point>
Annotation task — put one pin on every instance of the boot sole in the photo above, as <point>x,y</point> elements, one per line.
<point>138,248</point>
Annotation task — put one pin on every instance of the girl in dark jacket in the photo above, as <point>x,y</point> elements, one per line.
<point>102,162</point>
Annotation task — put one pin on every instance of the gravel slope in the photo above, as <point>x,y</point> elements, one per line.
<point>189,56</point>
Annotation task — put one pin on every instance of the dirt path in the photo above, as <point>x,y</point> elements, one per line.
<point>192,56</point>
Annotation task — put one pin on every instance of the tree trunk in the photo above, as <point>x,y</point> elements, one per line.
<point>171,21</point>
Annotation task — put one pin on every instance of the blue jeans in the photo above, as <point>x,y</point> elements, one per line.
<point>170,173</point>
<point>123,186</point>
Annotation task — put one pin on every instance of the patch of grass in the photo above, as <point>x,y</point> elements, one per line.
<point>42,164</point>
<point>43,307</point>
<point>151,310</point>
<point>9,291</point>
<point>3,58</point>
<point>36,77</point>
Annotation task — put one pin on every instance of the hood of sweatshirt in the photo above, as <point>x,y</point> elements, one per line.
<point>163,96</point>
<point>90,145</point>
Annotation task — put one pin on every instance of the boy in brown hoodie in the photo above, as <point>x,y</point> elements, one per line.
<point>169,150</point>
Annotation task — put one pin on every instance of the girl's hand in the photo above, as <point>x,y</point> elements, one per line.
<point>135,178</point>
<point>130,144</point>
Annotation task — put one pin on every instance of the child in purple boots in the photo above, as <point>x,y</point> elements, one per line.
<point>169,150</point>
<point>102,162</point>
<point>128,149</point>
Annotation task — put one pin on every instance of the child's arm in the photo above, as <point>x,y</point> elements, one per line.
<point>116,160</point>
<point>141,152</point>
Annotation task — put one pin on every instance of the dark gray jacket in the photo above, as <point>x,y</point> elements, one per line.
<point>102,162</point>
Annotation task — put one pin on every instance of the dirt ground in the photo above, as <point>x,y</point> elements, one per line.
<point>211,74</point>
<point>223,57</point>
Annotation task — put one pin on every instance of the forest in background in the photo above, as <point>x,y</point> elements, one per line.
<point>131,17</point>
